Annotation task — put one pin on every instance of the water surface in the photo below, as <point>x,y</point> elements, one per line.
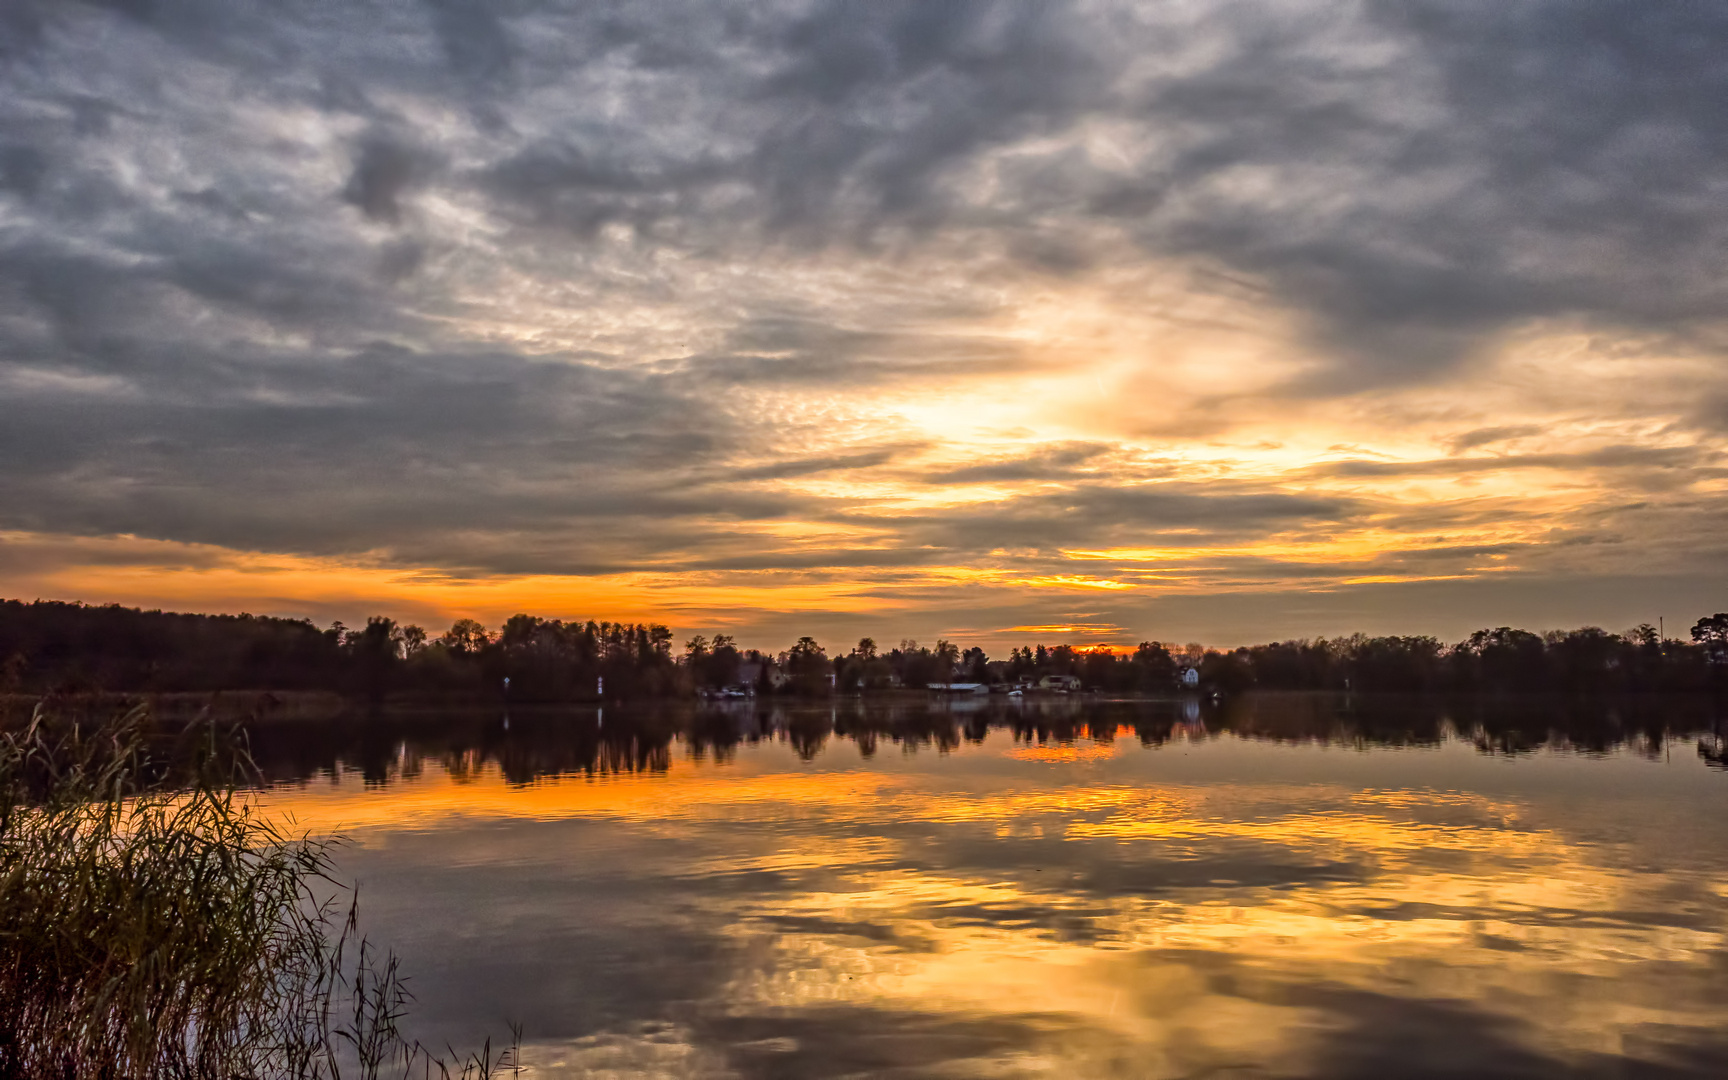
<point>1281,886</point>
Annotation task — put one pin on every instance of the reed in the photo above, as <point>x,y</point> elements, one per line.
<point>154,924</point>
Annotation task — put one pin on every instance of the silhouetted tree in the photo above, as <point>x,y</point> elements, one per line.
<point>807,667</point>
<point>466,637</point>
<point>67,648</point>
<point>975,665</point>
<point>1712,634</point>
<point>1153,668</point>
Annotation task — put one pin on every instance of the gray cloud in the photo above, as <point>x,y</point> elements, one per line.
<point>782,470</point>
<point>205,335</point>
<point>1421,174</point>
<point>456,460</point>
<point>1609,457</point>
<point>801,350</point>
<point>1101,515</point>
<point>1056,463</point>
<point>384,171</point>
<point>22,169</point>
<point>1487,436</point>
<point>474,38</point>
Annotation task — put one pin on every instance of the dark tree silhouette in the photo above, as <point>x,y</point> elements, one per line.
<point>49,647</point>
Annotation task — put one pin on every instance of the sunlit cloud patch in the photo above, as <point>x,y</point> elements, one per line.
<point>1252,318</point>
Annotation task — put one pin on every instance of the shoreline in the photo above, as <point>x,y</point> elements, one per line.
<point>326,706</point>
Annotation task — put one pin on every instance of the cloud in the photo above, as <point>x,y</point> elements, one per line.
<point>783,349</point>
<point>1487,436</point>
<point>474,39</point>
<point>729,287</point>
<point>1609,457</point>
<point>1408,179</point>
<point>1104,514</point>
<point>782,470</point>
<point>22,169</point>
<point>1056,463</point>
<point>384,171</point>
<point>380,449</point>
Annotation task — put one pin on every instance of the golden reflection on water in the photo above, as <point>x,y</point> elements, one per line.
<point>1123,924</point>
<point>434,799</point>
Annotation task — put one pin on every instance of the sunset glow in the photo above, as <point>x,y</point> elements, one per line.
<point>783,339</point>
<point>747,539</point>
<point>1448,893</point>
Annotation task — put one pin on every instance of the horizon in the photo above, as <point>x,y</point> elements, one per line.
<point>682,636</point>
<point>1236,323</point>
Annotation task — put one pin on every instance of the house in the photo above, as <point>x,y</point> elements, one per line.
<point>750,674</point>
<point>1189,677</point>
<point>960,687</point>
<point>1063,683</point>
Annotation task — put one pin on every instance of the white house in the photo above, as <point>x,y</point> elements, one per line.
<point>960,687</point>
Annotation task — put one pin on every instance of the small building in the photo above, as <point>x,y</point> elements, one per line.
<point>1064,683</point>
<point>1189,677</point>
<point>750,674</point>
<point>960,687</point>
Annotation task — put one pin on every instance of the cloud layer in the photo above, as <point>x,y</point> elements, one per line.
<point>952,315</point>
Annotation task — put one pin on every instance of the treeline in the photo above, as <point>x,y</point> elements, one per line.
<point>655,738</point>
<point>52,647</point>
<point>1588,660</point>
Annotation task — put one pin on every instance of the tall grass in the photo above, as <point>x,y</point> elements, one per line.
<point>154,924</point>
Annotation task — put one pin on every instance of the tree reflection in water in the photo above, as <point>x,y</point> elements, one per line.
<point>587,741</point>
<point>1271,885</point>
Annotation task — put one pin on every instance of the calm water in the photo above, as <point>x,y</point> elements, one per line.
<point>1278,887</point>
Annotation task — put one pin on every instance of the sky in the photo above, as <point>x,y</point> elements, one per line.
<point>1227,321</point>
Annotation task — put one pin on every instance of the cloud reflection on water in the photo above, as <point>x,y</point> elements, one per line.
<point>1214,906</point>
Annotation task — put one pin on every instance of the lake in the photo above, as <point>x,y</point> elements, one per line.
<point>1290,886</point>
